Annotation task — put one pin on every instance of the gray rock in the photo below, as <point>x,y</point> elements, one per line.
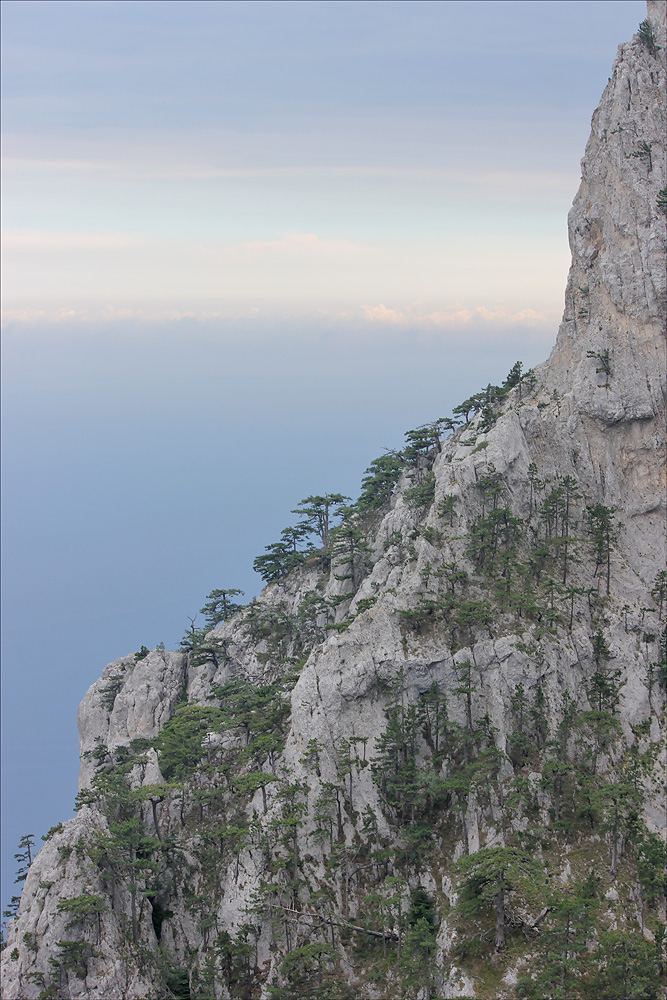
<point>605,428</point>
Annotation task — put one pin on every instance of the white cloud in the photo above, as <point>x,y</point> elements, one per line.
<point>455,316</point>
<point>401,319</point>
<point>141,314</point>
<point>381,314</point>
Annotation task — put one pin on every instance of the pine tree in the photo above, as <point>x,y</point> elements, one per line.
<point>420,943</point>
<point>514,377</point>
<point>519,742</point>
<point>395,767</point>
<point>491,877</point>
<point>220,608</point>
<point>24,856</point>
<point>626,967</point>
<point>433,711</point>
<point>379,481</point>
<point>536,485</point>
<point>564,958</point>
<point>179,744</point>
<point>421,446</point>
<point>569,495</point>
<point>659,590</point>
<point>318,512</point>
<point>447,507</point>
<point>557,765</point>
<point>202,647</point>
<point>618,803</point>
<point>599,723</point>
<point>603,532</point>
<point>280,559</point>
<point>349,547</point>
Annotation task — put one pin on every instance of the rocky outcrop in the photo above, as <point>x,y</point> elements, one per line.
<point>595,412</point>
<point>133,699</point>
<point>615,301</point>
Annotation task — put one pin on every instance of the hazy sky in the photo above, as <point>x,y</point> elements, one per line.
<point>230,157</point>
<point>246,246</point>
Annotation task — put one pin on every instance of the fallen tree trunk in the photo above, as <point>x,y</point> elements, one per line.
<point>385,935</point>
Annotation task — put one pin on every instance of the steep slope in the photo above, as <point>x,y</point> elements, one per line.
<point>429,759</point>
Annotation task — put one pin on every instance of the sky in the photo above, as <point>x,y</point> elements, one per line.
<point>246,246</point>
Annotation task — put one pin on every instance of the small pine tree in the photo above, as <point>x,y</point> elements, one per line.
<point>564,958</point>
<point>491,877</point>
<point>318,513</point>
<point>24,856</point>
<point>220,607</point>
<point>603,532</point>
<point>647,35</point>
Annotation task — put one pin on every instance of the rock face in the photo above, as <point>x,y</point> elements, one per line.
<point>615,298</point>
<point>132,699</point>
<point>227,846</point>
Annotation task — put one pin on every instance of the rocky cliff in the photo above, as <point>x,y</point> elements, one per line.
<point>429,759</point>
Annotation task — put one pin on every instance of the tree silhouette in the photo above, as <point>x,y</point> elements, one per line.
<point>604,534</point>
<point>317,513</point>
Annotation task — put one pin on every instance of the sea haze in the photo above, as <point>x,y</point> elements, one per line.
<point>146,465</point>
<point>247,246</point>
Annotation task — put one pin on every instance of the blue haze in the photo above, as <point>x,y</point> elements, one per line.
<point>143,466</point>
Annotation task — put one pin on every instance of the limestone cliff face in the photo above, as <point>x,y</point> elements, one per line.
<point>604,428</point>
<point>616,296</point>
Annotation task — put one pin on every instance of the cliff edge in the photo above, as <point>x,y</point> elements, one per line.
<point>429,759</point>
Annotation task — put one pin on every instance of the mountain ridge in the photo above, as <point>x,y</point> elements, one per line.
<point>244,802</point>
